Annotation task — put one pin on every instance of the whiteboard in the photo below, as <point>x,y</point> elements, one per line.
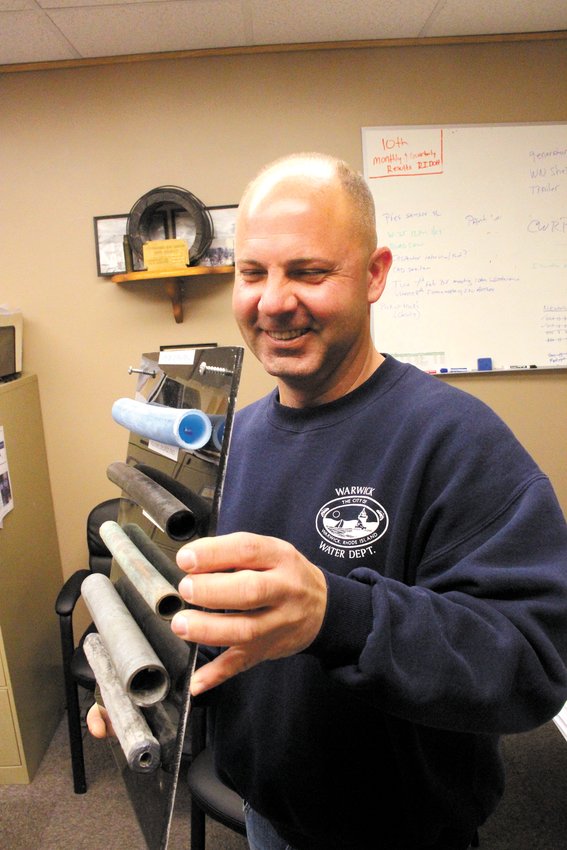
<point>476,217</point>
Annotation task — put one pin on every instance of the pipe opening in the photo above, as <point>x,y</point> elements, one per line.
<point>145,759</point>
<point>169,606</point>
<point>181,525</point>
<point>148,686</point>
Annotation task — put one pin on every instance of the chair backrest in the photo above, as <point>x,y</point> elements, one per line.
<point>100,559</point>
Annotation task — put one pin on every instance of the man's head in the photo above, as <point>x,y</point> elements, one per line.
<point>318,170</point>
<point>307,271</point>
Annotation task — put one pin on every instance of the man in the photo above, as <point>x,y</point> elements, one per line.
<point>393,562</point>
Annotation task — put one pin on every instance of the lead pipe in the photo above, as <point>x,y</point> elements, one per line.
<point>158,593</point>
<point>166,510</point>
<point>189,429</point>
<point>140,671</point>
<point>141,749</point>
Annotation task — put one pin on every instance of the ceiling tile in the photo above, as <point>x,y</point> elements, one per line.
<point>505,16</point>
<point>16,5</point>
<point>151,27</point>
<point>43,30</point>
<point>19,30</point>
<point>293,21</point>
<point>66,4</point>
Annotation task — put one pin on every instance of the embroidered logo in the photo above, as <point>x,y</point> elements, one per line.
<point>353,520</point>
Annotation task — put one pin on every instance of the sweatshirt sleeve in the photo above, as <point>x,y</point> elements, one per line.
<point>478,642</point>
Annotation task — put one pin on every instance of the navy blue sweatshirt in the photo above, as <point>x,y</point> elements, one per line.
<point>445,555</point>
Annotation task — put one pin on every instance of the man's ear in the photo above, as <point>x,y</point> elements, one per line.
<point>378,268</point>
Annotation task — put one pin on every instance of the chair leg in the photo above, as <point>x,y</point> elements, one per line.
<point>198,827</point>
<point>76,740</point>
<point>198,738</point>
<point>73,710</point>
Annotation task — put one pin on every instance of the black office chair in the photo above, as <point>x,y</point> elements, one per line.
<point>209,796</point>
<point>76,670</point>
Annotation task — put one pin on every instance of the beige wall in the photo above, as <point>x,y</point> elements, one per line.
<point>77,143</point>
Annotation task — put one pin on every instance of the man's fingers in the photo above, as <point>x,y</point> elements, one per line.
<point>98,722</point>
<point>236,551</point>
<point>242,591</point>
<point>256,595</point>
<point>216,629</point>
<point>235,660</point>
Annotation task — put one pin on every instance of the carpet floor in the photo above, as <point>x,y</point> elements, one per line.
<point>47,815</point>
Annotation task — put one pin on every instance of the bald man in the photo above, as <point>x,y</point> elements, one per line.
<point>392,559</point>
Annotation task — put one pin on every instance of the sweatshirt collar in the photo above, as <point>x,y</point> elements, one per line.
<point>325,415</point>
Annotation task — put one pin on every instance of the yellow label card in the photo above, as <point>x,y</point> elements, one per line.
<point>164,254</point>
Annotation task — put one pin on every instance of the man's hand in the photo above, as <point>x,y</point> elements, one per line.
<point>98,722</point>
<point>276,598</point>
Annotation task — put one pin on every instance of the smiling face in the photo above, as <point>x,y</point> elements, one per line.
<point>306,275</point>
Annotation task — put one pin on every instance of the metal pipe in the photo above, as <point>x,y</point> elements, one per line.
<point>164,729</point>
<point>158,593</point>
<point>140,671</point>
<point>153,553</point>
<point>172,650</point>
<point>167,511</point>
<point>189,429</point>
<point>140,747</point>
<point>199,507</point>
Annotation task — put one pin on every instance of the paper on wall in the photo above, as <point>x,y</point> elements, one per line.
<point>6,497</point>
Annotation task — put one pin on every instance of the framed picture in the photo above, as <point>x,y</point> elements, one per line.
<point>221,250</point>
<point>109,239</point>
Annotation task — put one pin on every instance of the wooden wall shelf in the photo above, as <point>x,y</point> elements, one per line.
<point>172,281</point>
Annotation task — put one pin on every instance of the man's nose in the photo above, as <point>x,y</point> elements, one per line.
<point>277,296</point>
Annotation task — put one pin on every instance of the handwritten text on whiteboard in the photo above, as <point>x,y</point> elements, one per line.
<point>398,155</point>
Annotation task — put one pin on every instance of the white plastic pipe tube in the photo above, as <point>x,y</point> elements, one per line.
<point>188,428</point>
<point>217,422</point>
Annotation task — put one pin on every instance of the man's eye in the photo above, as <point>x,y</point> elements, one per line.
<point>251,274</point>
<point>310,274</point>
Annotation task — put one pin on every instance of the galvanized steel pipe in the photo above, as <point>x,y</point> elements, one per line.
<point>140,671</point>
<point>173,652</point>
